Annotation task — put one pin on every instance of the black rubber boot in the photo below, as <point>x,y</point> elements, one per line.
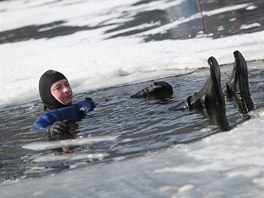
<point>158,90</point>
<point>210,99</point>
<point>217,116</point>
<point>237,87</point>
<point>211,93</point>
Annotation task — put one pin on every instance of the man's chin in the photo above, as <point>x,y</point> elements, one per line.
<point>67,102</point>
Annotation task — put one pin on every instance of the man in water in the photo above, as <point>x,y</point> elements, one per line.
<point>56,95</point>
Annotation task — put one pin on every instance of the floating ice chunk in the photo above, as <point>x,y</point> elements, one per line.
<point>250,26</point>
<point>258,182</point>
<point>251,7</point>
<point>38,146</point>
<point>186,187</point>
<point>70,157</point>
<point>220,28</point>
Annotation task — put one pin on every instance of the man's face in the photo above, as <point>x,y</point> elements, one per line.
<point>61,91</point>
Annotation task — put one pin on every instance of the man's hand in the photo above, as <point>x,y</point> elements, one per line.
<point>58,130</point>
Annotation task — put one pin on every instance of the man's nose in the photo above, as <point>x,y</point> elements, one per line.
<point>65,89</point>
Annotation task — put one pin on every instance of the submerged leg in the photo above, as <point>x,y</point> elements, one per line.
<point>237,87</point>
<point>210,99</point>
<point>211,92</point>
<point>217,115</point>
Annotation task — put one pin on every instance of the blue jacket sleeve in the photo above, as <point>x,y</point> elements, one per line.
<point>70,113</point>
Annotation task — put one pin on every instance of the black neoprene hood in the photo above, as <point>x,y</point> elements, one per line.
<point>45,82</point>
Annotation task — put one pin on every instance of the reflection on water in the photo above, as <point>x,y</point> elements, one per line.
<point>193,18</point>
<point>138,125</point>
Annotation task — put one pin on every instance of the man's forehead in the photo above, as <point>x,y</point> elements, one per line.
<point>60,82</point>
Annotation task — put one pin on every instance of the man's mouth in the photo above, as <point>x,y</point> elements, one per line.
<point>67,98</point>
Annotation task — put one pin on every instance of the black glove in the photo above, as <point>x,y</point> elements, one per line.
<point>158,90</point>
<point>86,106</point>
<point>58,130</point>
